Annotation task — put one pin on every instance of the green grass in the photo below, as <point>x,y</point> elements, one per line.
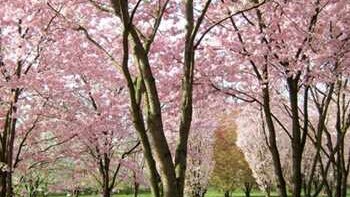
<point>238,193</point>
<point>117,195</point>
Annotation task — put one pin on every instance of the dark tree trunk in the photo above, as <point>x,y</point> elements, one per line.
<point>3,184</point>
<point>297,144</point>
<point>268,193</point>
<point>227,194</point>
<point>9,189</point>
<point>247,188</point>
<point>136,189</point>
<point>106,192</point>
<point>6,189</point>
<point>267,190</point>
<point>204,192</point>
<point>76,193</point>
<point>247,193</point>
<point>281,183</point>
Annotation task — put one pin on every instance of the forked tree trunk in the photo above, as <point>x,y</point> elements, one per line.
<point>172,175</point>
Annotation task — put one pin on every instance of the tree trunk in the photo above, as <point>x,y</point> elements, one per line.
<point>9,189</point>
<point>3,184</point>
<point>281,183</point>
<point>106,192</point>
<point>135,93</point>
<point>297,145</point>
<point>186,100</point>
<point>136,189</point>
<point>154,119</point>
<point>76,193</point>
<point>227,194</point>
<point>8,152</point>
<point>172,175</point>
<point>6,189</point>
<point>345,186</point>
<point>204,192</point>
<point>247,188</point>
<point>106,181</point>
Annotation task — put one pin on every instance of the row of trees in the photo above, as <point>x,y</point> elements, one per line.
<point>298,59</point>
<point>94,82</point>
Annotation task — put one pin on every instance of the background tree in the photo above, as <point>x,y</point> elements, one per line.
<point>200,160</point>
<point>252,141</point>
<point>231,170</point>
<point>25,90</point>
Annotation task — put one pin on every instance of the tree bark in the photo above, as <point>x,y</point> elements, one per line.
<point>281,183</point>
<point>7,144</point>
<point>154,119</point>
<point>135,93</point>
<point>297,145</point>
<point>186,100</point>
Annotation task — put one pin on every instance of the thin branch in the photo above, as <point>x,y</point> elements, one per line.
<point>226,18</point>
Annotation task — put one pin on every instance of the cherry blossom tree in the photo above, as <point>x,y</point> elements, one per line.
<point>147,62</point>
<point>200,159</point>
<point>252,142</point>
<point>94,111</point>
<point>24,35</point>
<point>46,105</point>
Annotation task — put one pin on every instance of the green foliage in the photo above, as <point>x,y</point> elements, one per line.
<point>231,170</point>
